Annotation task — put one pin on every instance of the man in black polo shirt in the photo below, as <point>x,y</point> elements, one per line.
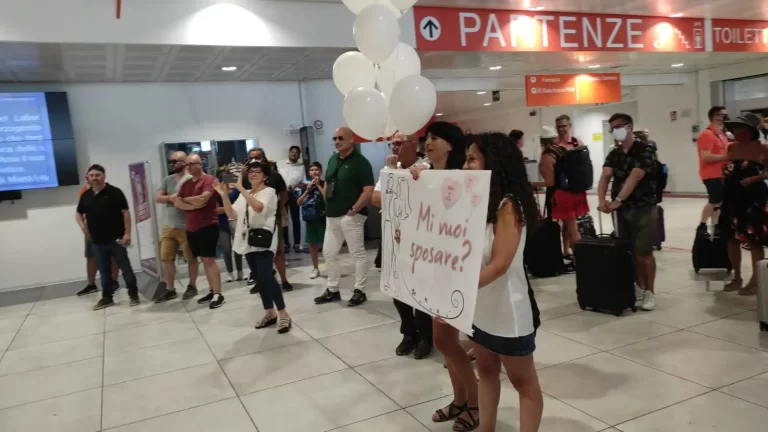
<point>103,215</point>
<point>348,190</point>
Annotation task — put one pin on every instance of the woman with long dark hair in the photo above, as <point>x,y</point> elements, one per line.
<point>445,147</point>
<point>506,314</point>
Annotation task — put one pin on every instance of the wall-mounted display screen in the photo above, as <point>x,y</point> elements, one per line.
<point>37,147</point>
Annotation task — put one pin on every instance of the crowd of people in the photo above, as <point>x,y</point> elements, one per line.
<point>249,217</point>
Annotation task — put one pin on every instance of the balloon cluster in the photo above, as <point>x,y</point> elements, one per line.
<point>382,85</point>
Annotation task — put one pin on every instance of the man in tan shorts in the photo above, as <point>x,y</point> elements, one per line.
<point>174,235</point>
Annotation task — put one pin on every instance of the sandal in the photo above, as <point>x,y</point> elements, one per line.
<point>749,289</point>
<point>734,285</point>
<point>454,411</point>
<point>266,322</point>
<point>284,325</point>
<point>461,425</point>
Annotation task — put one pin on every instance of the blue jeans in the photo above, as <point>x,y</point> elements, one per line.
<point>260,264</point>
<point>104,254</point>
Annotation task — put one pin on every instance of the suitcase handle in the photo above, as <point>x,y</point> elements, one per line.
<point>614,219</point>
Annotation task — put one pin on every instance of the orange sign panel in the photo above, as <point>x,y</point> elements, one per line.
<point>457,29</point>
<point>572,89</point>
<point>739,35</point>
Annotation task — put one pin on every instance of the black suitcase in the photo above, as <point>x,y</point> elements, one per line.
<point>543,254</point>
<point>605,275</point>
<point>710,251</point>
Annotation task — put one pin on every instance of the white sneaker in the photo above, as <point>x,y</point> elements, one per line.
<point>230,277</point>
<point>315,274</point>
<point>649,301</point>
<point>239,275</point>
<point>639,293</point>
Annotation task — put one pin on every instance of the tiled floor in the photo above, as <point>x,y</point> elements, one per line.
<point>698,363</point>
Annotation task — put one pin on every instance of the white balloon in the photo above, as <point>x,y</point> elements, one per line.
<point>403,5</point>
<point>357,6</point>
<point>412,103</point>
<point>389,130</point>
<point>365,111</point>
<point>376,32</point>
<point>352,70</point>
<point>402,63</point>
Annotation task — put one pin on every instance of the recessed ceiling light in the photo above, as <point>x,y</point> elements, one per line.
<point>676,15</point>
<point>494,67</point>
<point>677,65</point>
<point>481,92</point>
<point>439,114</point>
<point>487,104</point>
<point>229,68</point>
<point>593,66</point>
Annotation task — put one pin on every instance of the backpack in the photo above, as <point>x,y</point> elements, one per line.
<point>313,207</point>
<point>662,175</point>
<point>574,170</point>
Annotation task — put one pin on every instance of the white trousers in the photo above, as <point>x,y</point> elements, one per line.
<point>337,230</point>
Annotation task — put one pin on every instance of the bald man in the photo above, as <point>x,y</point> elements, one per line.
<point>348,190</point>
<point>174,235</point>
<point>196,198</point>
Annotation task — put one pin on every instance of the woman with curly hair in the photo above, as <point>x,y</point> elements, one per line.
<point>445,147</point>
<point>506,315</point>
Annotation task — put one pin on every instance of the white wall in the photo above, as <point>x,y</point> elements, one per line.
<point>116,124</point>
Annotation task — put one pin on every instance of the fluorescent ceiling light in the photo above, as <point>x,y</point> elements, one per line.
<point>229,68</point>
<point>494,67</point>
<point>593,66</point>
<point>676,15</point>
<point>487,104</point>
<point>537,8</point>
<point>677,65</point>
<point>439,114</point>
<point>481,92</point>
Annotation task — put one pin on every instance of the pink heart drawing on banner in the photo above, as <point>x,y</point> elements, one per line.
<point>469,182</point>
<point>451,190</point>
<point>475,200</point>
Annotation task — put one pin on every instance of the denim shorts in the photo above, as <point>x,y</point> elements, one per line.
<point>507,346</point>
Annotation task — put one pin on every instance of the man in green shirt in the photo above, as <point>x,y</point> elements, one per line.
<point>348,190</point>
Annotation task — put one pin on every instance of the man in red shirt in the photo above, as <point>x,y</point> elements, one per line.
<point>197,198</point>
<point>712,145</point>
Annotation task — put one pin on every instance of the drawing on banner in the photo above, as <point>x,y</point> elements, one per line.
<point>433,229</point>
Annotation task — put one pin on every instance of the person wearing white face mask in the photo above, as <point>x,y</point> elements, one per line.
<point>632,166</point>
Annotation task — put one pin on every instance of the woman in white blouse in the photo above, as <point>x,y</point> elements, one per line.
<point>256,209</point>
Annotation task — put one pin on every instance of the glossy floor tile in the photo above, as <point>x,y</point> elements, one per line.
<point>697,363</point>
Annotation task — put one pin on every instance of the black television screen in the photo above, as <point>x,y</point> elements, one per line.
<point>37,146</point>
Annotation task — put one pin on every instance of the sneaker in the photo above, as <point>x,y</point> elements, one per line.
<point>239,275</point>
<point>190,292</point>
<point>206,299</point>
<point>297,249</point>
<point>287,286</point>
<point>406,346</point>
<point>328,296</point>
<point>105,302</point>
<point>167,295</point>
<point>639,293</point>
<point>423,350</point>
<point>217,301</point>
<point>89,289</point>
<point>357,299</point>
<point>254,289</point>
<point>315,274</point>
<point>135,301</point>
<point>251,281</point>
<point>230,277</point>
<point>649,301</point>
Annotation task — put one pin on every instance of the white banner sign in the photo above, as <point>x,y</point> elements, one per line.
<point>433,231</point>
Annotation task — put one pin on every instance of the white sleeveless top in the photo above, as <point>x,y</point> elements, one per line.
<point>503,307</point>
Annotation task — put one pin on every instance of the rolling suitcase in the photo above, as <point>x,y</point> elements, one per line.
<point>710,251</point>
<point>762,294</point>
<point>605,274</point>
<point>543,254</point>
<point>660,235</point>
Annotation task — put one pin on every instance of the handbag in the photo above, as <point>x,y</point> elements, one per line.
<point>258,237</point>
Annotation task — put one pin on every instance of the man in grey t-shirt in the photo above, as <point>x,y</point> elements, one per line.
<point>175,231</point>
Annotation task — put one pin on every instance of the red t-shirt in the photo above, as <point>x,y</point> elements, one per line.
<point>206,215</point>
<point>716,142</point>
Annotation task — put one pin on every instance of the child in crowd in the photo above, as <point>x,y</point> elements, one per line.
<point>312,204</point>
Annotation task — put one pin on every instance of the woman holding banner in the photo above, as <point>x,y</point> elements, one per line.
<point>445,147</point>
<point>506,315</point>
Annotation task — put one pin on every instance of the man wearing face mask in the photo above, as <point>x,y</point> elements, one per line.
<point>631,165</point>
<point>174,235</point>
<point>712,145</point>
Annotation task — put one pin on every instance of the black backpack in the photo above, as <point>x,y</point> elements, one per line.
<point>662,176</point>
<point>574,170</point>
